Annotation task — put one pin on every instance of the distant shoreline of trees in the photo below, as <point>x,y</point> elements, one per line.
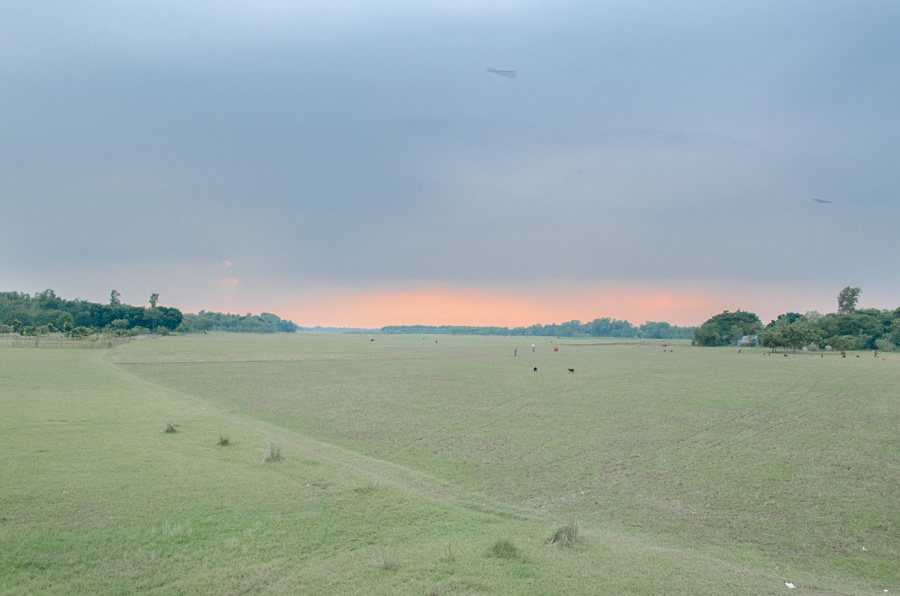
<point>847,329</point>
<point>605,327</point>
<point>46,312</point>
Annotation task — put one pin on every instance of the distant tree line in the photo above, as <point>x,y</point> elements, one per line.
<point>249,323</point>
<point>46,313</point>
<point>847,329</point>
<point>443,330</point>
<point>605,327</point>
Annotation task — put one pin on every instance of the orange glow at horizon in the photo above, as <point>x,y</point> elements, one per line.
<point>504,308</point>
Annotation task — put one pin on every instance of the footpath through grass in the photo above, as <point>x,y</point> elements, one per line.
<point>409,462</point>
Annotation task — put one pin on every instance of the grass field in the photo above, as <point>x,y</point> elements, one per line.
<point>445,465</point>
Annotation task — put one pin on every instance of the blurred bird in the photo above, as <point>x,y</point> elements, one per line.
<point>821,201</point>
<point>509,74</point>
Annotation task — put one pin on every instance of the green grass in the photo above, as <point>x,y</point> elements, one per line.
<point>404,460</point>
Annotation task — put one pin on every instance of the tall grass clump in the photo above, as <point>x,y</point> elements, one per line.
<point>566,535</point>
<point>504,549</point>
<point>170,428</point>
<point>384,561</point>
<point>273,453</point>
<point>223,441</point>
<point>448,553</point>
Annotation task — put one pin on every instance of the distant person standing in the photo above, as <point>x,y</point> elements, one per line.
<point>532,347</point>
<point>516,351</point>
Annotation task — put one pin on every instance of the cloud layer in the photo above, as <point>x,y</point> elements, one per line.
<point>346,150</point>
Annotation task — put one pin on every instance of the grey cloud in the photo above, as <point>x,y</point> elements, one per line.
<point>637,142</point>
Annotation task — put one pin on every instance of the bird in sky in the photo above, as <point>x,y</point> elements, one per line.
<point>509,74</point>
<point>821,201</point>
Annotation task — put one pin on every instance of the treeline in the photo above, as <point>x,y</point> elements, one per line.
<point>605,327</point>
<point>46,312</point>
<point>215,321</point>
<point>443,330</point>
<point>847,329</point>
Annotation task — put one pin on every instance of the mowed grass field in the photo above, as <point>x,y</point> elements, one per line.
<point>444,465</point>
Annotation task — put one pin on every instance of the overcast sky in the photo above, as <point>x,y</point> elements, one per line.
<point>356,164</point>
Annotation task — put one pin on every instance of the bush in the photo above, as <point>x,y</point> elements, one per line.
<point>838,343</point>
<point>885,345</point>
<point>863,342</point>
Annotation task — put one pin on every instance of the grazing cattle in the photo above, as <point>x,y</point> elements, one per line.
<point>373,339</point>
<point>571,370</point>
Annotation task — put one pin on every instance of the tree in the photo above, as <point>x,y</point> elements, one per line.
<point>785,319</point>
<point>801,334</point>
<point>170,318</point>
<point>79,332</point>
<point>813,316</point>
<point>847,300</point>
<point>115,298</point>
<point>707,334</point>
<point>895,331</point>
<point>154,298</point>
<point>119,324</point>
<point>727,327</point>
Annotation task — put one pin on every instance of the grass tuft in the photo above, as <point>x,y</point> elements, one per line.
<point>273,453</point>
<point>170,428</point>
<point>567,535</point>
<point>223,441</point>
<point>384,561</point>
<point>504,549</point>
<point>448,553</point>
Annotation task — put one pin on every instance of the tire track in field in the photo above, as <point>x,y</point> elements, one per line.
<point>400,477</point>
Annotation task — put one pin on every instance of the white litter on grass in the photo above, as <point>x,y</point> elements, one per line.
<point>790,585</point>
